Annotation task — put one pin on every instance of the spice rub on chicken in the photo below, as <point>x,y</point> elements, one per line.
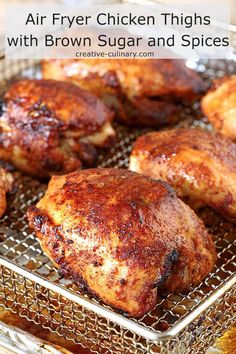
<point>219,105</point>
<point>52,127</point>
<point>126,237</point>
<point>143,92</point>
<point>198,164</point>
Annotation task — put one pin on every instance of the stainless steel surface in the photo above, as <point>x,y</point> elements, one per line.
<point>15,341</point>
<point>31,286</point>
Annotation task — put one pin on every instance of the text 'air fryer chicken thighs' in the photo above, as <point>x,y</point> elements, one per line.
<point>219,105</point>
<point>143,92</point>
<point>124,236</point>
<point>51,127</point>
<point>6,181</point>
<point>199,165</point>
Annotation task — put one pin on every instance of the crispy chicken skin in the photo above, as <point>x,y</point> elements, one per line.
<point>124,236</point>
<point>199,165</point>
<point>219,105</point>
<point>143,92</point>
<point>6,181</point>
<point>51,127</point>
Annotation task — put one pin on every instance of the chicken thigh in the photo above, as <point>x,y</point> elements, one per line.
<point>199,165</point>
<point>219,105</point>
<point>123,236</point>
<point>51,127</point>
<point>143,92</point>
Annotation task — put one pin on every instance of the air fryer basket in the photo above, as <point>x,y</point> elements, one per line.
<point>31,286</point>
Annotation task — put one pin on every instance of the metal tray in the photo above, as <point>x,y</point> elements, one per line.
<point>31,286</point>
<point>16,341</point>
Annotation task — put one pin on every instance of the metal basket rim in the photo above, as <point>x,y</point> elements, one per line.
<point>116,318</point>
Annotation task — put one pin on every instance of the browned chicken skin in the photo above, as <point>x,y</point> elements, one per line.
<point>199,165</point>
<point>143,92</point>
<point>50,127</point>
<point>219,105</point>
<point>6,181</point>
<point>124,236</point>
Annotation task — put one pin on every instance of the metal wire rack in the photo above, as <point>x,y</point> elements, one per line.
<point>31,286</point>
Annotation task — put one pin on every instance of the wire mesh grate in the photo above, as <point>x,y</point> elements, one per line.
<point>73,321</point>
